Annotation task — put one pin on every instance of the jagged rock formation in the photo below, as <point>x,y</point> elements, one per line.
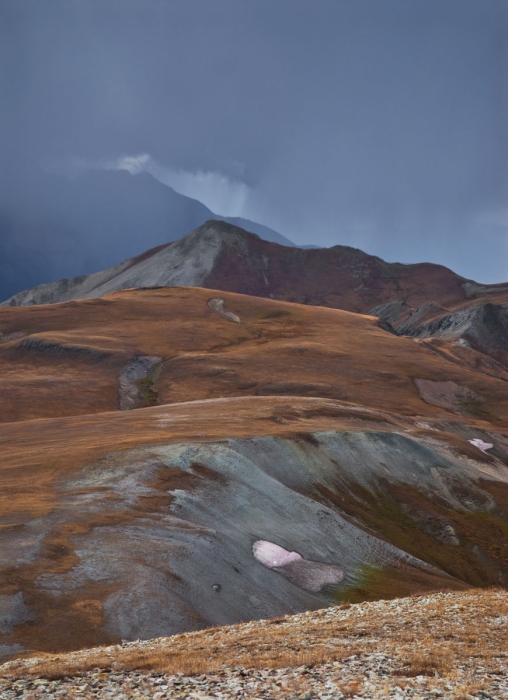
<point>221,256</point>
<point>480,326</point>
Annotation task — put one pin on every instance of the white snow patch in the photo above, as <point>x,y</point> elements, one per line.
<point>483,446</point>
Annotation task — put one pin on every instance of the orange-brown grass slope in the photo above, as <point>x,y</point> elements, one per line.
<point>424,635</point>
<point>38,452</point>
<point>65,359</point>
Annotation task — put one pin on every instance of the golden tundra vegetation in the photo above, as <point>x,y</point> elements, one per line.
<point>65,359</point>
<point>448,628</point>
<point>285,372</point>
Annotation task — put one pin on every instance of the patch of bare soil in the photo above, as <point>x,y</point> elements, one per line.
<point>450,395</point>
<point>136,383</point>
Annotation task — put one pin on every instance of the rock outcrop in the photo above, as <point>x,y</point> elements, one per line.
<point>480,325</point>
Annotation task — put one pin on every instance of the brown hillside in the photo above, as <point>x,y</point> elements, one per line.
<point>311,429</point>
<point>68,359</point>
<point>368,650</point>
<point>62,485</point>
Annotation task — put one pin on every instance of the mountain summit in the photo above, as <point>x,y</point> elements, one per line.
<point>219,255</point>
<point>55,227</point>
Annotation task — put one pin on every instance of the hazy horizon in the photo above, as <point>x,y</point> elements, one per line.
<point>375,124</point>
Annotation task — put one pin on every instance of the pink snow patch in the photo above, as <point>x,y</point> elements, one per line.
<point>309,575</point>
<point>483,446</point>
<point>273,556</point>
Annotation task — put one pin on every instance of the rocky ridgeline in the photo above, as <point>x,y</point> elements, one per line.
<point>445,645</point>
<point>219,255</point>
<point>479,326</point>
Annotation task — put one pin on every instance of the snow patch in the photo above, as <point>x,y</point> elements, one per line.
<point>483,446</point>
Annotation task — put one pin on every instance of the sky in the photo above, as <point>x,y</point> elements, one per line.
<point>380,124</point>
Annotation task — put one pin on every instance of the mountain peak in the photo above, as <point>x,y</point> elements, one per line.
<point>221,226</point>
<point>66,227</point>
<point>220,255</point>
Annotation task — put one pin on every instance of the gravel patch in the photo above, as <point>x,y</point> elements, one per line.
<point>370,676</point>
<point>444,645</point>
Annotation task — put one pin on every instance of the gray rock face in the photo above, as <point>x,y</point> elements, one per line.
<point>417,318</point>
<point>185,262</point>
<point>137,369</point>
<point>13,611</point>
<point>392,312</point>
<point>480,326</point>
<point>191,564</point>
<point>485,325</point>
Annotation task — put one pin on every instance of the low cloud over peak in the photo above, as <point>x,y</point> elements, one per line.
<point>223,195</point>
<point>372,124</point>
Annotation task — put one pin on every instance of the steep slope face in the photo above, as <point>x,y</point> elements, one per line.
<point>132,525</point>
<point>186,262</point>
<point>337,277</point>
<point>65,227</point>
<point>143,347</point>
<point>479,326</point>
<point>221,256</point>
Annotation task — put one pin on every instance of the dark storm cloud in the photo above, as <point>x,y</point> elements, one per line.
<point>380,123</point>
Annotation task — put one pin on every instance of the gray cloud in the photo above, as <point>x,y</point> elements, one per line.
<point>220,193</point>
<point>375,124</point>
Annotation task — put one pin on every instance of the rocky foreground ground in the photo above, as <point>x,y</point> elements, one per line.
<point>449,645</point>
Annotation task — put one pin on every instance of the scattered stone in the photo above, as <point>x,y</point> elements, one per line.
<point>388,662</point>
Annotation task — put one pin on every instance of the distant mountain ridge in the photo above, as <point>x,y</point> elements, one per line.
<point>54,227</point>
<point>218,255</point>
